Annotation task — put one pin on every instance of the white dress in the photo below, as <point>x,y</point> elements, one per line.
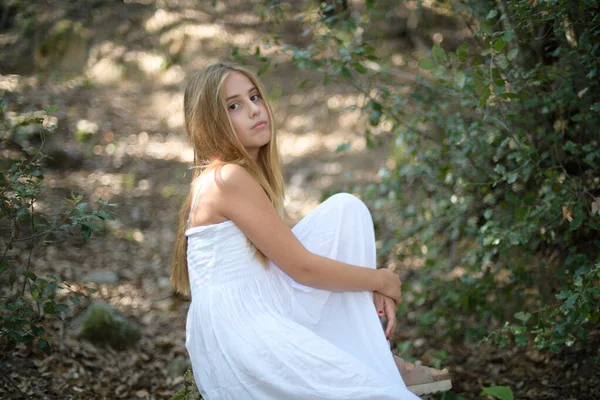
<point>254,333</point>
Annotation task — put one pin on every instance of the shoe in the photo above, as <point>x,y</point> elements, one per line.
<point>421,380</point>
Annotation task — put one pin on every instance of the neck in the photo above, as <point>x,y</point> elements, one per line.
<point>254,154</point>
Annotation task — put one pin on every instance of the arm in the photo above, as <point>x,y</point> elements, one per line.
<point>242,199</point>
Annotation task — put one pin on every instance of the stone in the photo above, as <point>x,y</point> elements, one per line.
<point>189,391</point>
<point>101,324</point>
<point>101,276</point>
<point>178,366</point>
<point>164,282</point>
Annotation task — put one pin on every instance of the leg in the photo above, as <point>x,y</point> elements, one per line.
<point>341,228</point>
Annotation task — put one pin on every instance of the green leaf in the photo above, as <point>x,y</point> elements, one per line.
<point>370,4</point>
<point>91,226</point>
<point>571,147</point>
<point>591,3</point>
<point>302,83</point>
<point>264,68</point>
<point>522,316</point>
<point>521,339</point>
<point>50,109</point>
<point>345,72</point>
<point>358,67</point>
<point>499,44</point>
<point>426,63</point>
<point>30,275</point>
<point>499,392</point>
<point>459,79</point>
<point>342,147</point>
<point>61,308</point>
<point>44,346</point>
<point>571,301</point>
<point>438,53</point>
<point>439,71</point>
<point>483,98</point>
<point>462,51</point>
<point>512,53</point>
<point>104,215</point>
<point>375,117</point>
<point>488,213</point>
<point>491,14</point>
<point>508,35</point>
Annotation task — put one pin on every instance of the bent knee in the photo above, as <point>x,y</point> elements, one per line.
<point>347,200</point>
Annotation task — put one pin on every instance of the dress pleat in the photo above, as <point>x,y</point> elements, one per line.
<point>255,333</point>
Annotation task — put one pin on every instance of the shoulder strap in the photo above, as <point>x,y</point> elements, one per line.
<point>193,204</point>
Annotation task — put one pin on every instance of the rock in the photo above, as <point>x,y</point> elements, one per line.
<point>63,47</point>
<point>101,276</point>
<point>101,324</point>
<point>189,391</point>
<point>164,282</point>
<point>178,366</point>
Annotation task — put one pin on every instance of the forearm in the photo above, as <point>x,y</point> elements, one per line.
<point>325,273</point>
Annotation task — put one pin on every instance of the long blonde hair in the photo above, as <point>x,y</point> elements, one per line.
<point>215,143</point>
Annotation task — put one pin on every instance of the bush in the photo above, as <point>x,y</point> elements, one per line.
<point>496,160</point>
<point>27,298</point>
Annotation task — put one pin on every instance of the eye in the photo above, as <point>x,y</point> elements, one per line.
<point>255,97</point>
<point>233,106</point>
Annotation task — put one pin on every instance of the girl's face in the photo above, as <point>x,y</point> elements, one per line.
<point>248,112</point>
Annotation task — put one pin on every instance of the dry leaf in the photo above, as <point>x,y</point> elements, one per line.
<point>567,213</point>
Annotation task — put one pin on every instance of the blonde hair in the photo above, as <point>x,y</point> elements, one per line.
<point>215,143</point>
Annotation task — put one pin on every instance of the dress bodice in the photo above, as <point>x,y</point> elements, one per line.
<point>219,254</point>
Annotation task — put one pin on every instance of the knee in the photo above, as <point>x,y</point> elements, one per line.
<point>347,201</point>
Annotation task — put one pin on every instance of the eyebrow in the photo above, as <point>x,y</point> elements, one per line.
<point>237,95</point>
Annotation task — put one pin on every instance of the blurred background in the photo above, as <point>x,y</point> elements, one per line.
<point>469,128</point>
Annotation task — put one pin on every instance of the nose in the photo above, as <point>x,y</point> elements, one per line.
<point>254,109</point>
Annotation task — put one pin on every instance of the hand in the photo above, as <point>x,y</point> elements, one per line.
<point>390,286</point>
<point>386,306</point>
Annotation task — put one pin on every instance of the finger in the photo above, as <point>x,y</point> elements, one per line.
<point>378,301</point>
<point>390,313</point>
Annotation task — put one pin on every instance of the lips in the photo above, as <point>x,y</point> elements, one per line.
<point>260,124</point>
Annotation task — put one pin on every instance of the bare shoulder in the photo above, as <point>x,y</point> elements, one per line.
<point>216,192</point>
<point>232,178</point>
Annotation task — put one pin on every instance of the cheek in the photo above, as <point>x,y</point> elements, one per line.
<point>265,112</point>
<point>237,125</point>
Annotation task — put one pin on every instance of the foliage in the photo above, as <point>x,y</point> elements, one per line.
<point>28,299</point>
<point>189,390</point>
<point>496,160</point>
<point>20,14</point>
<point>499,392</point>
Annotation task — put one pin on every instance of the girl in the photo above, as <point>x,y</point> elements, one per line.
<point>276,313</point>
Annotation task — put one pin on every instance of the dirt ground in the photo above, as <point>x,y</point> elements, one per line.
<point>120,137</point>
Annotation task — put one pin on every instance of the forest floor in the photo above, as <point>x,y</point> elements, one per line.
<point>120,137</point>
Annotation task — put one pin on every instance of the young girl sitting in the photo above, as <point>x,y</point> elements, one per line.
<point>277,313</point>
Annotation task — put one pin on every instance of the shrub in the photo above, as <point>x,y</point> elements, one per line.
<point>496,160</point>
<point>27,298</point>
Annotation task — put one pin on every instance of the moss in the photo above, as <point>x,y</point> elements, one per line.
<point>189,391</point>
<point>57,40</point>
<point>104,325</point>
